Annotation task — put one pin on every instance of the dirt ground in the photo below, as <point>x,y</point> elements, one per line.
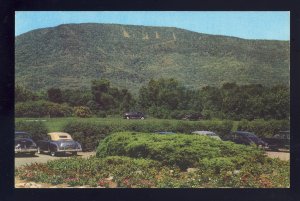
<point>281,155</point>
<point>43,158</point>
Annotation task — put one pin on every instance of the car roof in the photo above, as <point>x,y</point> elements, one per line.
<point>243,132</point>
<point>284,131</point>
<point>20,132</point>
<point>56,135</point>
<point>203,132</point>
<point>165,132</point>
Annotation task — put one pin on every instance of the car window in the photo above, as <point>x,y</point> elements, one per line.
<point>239,137</point>
<point>20,136</point>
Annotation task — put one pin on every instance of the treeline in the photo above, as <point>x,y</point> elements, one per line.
<point>163,98</point>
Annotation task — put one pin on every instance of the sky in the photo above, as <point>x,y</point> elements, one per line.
<point>270,25</point>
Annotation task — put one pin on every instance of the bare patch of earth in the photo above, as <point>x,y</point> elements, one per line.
<point>281,155</point>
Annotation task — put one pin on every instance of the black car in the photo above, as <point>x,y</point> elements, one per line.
<point>193,116</point>
<point>280,140</point>
<point>134,115</point>
<point>58,142</point>
<point>24,144</point>
<point>246,138</point>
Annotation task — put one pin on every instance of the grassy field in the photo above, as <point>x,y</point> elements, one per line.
<point>56,124</point>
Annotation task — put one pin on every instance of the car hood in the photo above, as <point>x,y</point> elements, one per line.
<point>257,141</point>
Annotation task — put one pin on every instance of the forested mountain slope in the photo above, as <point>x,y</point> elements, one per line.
<point>71,55</point>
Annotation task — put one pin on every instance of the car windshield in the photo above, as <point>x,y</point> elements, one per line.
<point>250,135</point>
<point>65,138</point>
<point>211,134</point>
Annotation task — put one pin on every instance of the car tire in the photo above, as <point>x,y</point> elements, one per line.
<point>32,153</point>
<point>142,118</point>
<point>127,117</point>
<point>52,153</point>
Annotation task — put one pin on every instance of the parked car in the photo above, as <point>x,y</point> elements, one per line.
<point>24,143</point>
<point>207,133</point>
<point>134,115</point>
<point>246,138</point>
<point>280,140</point>
<point>193,116</point>
<point>58,142</point>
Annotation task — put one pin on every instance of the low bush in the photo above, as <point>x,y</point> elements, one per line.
<point>264,128</point>
<point>181,150</point>
<point>36,129</point>
<point>89,134</point>
<point>117,171</point>
<point>82,111</point>
<point>125,172</point>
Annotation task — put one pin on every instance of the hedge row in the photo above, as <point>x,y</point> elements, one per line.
<point>89,134</point>
<point>42,109</point>
<point>36,129</point>
<point>264,128</point>
<point>181,150</point>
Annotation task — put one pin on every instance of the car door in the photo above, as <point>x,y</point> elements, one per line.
<point>240,139</point>
<point>45,143</point>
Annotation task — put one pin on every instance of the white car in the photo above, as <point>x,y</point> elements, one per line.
<point>207,133</point>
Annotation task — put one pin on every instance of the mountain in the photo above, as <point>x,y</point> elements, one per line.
<point>71,55</point>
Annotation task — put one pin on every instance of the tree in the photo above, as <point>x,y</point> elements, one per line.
<point>22,94</point>
<point>54,95</point>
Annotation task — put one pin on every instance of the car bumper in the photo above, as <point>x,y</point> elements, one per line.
<point>263,146</point>
<point>69,150</point>
<point>25,150</point>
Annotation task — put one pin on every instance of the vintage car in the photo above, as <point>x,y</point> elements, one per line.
<point>193,116</point>
<point>246,138</point>
<point>280,140</point>
<point>58,142</point>
<point>207,133</point>
<point>24,144</point>
<point>133,115</point>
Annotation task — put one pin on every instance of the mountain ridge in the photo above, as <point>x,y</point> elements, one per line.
<point>71,55</point>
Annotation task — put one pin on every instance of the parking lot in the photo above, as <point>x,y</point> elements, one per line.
<point>43,158</point>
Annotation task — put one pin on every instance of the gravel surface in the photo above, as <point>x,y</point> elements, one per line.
<point>43,158</point>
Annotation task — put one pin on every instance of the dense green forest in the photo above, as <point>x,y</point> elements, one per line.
<point>71,56</point>
<point>162,98</point>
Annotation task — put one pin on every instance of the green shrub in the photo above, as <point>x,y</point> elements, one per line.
<point>181,150</point>
<point>120,171</point>
<point>89,134</point>
<point>36,129</point>
<point>123,171</point>
<point>42,109</point>
<point>82,111</point>
<point>264,128</point>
